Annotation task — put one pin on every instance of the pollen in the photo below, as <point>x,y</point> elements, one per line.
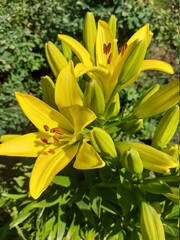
<point>57,130</point>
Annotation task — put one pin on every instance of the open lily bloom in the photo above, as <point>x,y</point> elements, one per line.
<point>114,71</point>
<point>60,138</point>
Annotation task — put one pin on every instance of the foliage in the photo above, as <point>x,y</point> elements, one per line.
<point>94,204</point>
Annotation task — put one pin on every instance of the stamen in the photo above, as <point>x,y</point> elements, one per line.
<point>56,139</point>
<point>123,48</point>
<point>51,151</point>
<point>106,48</point>
<point>45,140</point>
<point>57,130</point>
<point>46,128</point>
<point>109,58</point>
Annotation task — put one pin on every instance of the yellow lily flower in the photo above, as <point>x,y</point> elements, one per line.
<point>60,138</point>
<point>114,71</point>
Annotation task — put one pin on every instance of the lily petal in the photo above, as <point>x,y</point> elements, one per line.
<point>157,65</point>
<point>81,117</point>
<point>7,137</point>
<point>77,48</point>
<point>100,74</point>
<point>66,90</point>
<point>88,158</point>
<point>48,165</point>
<point>40,114</point>
<point>81,69</point>
<point>143,34</point>
<point>105,45</point>
<point>28,145</point>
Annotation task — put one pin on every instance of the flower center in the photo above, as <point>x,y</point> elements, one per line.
<point>55,139</point>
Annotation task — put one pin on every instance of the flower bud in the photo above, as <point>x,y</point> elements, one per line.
<point>172,150</point>
<point>166,128</point>
<point>147,94</point>
<point>162,100</point>
<point>132,161</point>
<point>114,108</point>
<point>55,58</point>
<point>102,142</point>
<point>152,158</point>
<point>112,24</point>
<point>94,97</point>
<point>48,88</point>
<point>151,224</point>
<point>89,34</point>
<point>132,126</point>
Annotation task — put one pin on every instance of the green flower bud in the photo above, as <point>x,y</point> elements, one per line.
<point>55,58</point>
<point>48,88</point>
<point>94,97</point>
<point>102,142</point>
<point>89,34</point>
<point>162,100</point>
<point>114,108</point>
<point>172,150</point>
<point>132,161</point>
<point>112,24</point>
<point>147,94</point>
<point>152,158</point>
<point>166,128</point>
<point>151,224</point>
<point>132,126</point>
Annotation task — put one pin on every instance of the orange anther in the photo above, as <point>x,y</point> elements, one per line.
<point>106,48</point>
<point>109,58</point>
<point>57,130</point>
<point>51,151</point>
<point>44,140</point>
<point>123,48</point>
<point>46,128</point>
<point>56,139</point>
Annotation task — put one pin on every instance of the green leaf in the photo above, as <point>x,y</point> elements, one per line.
<point>174,213</point>
<point>173,231</point>
<point>73,232</point>
<point>86,211</point>
<point>14,196</point>
<point>95,201</point>
<point>158,187</point>
<point>61,218</point>
<point>63,181</point>
<point>125,199</point>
